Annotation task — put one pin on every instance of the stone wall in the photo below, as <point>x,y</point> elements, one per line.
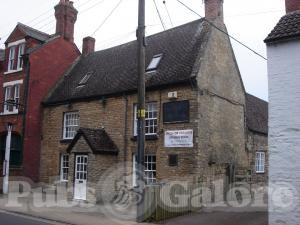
<point>111,116</point>
<point>258,143</point>
<point>221,100</point>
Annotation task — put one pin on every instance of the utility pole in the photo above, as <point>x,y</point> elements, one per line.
<point>6,160</point>
<point>141,109</point>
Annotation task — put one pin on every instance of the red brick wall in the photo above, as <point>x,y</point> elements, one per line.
<point>48,64</point>
<point>292,5</point>
<point>213,9</point>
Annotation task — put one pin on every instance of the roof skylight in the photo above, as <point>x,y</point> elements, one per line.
<point>85,79</point>
<point>154,63</point>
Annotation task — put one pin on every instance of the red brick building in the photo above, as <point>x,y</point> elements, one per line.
<point>30,65</point>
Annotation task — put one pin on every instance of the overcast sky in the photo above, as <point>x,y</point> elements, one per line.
<point>247,20</point>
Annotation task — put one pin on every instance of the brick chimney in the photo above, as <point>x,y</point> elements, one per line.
<point>66,16</point>
<point>292,5</point>
<point>88,45</point>
<point>214,10</point>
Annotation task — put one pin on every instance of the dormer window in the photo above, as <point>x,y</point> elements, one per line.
<point>85,79</point>
<point>11,58</point>
<point>20,54</point>
<point>154,63</point>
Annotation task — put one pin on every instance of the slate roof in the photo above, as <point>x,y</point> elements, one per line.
<point>98,140</point>
<point>288,27</point>
<point>2,54</point>
<point>31,32</point>
<point>114,70</point>
<point>256,114</point>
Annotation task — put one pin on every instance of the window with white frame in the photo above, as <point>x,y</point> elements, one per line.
<point>260,162</point>
<point>20,54</point>
<point>150,119</point>
<point>7,99</point>
<point>11,58</point>
<point>71,124</point>
<point>12,98</point>
<point>150,169</point>
<point>17,97</point>
<point>64,167</point>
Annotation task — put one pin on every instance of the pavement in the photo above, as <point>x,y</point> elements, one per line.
<point>83,214</point>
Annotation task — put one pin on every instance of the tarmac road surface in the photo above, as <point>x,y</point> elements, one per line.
<point>14,219</point>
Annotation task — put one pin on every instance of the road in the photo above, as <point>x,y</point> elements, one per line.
<point>222,218</point>
<point>14,219</point>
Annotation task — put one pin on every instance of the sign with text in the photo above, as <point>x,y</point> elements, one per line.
<point>179,139</point>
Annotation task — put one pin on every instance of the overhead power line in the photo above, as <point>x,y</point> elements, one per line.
<point>213,25</point>
<point>159,15</point>
<point>113,40</point>
<point>51,16</point>
<point>84,3</point>
<point>91,7</point>
<point>109,15</point>
<point>165,3</point>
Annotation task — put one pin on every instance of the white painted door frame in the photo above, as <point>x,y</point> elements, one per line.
<point>80,177</point>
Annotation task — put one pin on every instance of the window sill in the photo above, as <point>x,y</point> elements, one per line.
<point>152,137</point>
<point>260,173</point>
<point>9,113</point>
<point>65,141</point>
<point>13,71</point>
<point>176,122</point>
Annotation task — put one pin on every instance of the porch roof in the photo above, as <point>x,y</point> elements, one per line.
<point>97,139</point>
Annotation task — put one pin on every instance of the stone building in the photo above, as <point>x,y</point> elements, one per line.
<point>194,93</point>
<point>257,139</point>
<point>30,65</point>
<point>283,48</point>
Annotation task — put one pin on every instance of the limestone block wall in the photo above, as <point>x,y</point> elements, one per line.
<point>111,117</point>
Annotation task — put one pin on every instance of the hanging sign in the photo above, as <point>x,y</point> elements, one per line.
<point>179,139</point>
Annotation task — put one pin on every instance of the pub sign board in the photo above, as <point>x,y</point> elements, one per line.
<point>179,139</point>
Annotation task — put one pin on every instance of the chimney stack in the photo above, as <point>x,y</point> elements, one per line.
<point>214,10</point>
<point>88,45</point>
<point>292,5</point>
<point>66,16</point>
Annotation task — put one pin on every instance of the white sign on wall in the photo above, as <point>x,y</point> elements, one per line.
<point>179,139</point>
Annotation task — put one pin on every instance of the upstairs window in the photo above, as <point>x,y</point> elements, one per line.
<point>20,54</point>
<point>11,58</point>
<point>154,63</point>
<point>12,98</point>
<point>260,162</point>
<point>150,119</point>
<point>7,99</point>
<point>71,125</point>
<point>17,96</point>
